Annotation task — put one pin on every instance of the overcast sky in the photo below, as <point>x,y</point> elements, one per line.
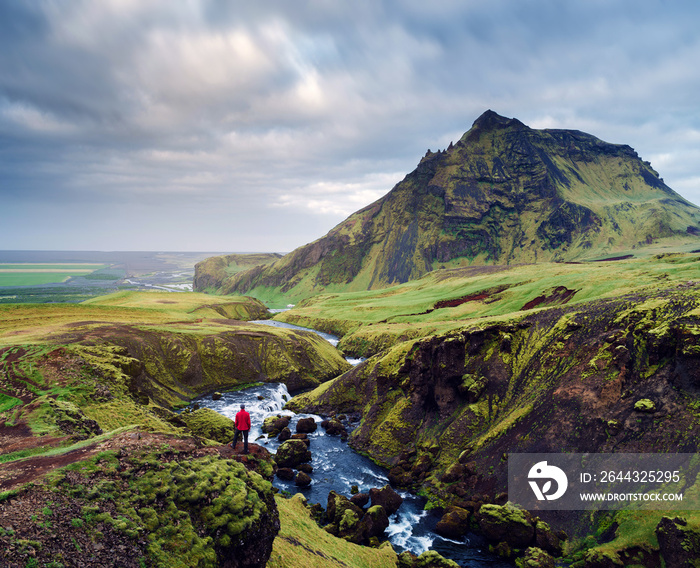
<point>258,126</point>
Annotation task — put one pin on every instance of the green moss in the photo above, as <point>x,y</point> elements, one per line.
<point>210,424</point>
<point>186,509</point>
<point>645,405</point>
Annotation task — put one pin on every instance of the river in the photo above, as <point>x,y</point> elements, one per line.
<point>337,467</point>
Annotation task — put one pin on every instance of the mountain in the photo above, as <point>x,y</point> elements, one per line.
<point>503,194</point>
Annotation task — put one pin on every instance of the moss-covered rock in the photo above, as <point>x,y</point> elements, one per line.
<point>534,557</point>
<point>547,539</point>
<point>387,498</point>
<point>71,420</point>
<point>210,424</point>
<point>454,523</point>
<point>306,425</point>
<point>506,523</point>
<point>292,453</point>
<point>433,559</point>
<point>273,425</point>
<point>302,479</point>
<point>679,544</point>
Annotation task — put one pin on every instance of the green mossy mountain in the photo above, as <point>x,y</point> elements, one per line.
<point>503,194</point>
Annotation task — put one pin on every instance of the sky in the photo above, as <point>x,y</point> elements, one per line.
<point>222,125</point>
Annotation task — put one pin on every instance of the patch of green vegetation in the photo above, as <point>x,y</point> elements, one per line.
<point>8,402</point>
<point>301,542</point>
<point>370,321</point>
<point>178,509</point>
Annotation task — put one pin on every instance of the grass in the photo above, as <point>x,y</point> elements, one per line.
<point>24,323</point>
<point>28,274</point>
<point>61,450</point>
<point>408,310</point>
<point>301,542</point>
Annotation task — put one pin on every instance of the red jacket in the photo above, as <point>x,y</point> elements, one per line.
<point>242,420</point>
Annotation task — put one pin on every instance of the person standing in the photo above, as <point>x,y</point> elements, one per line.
<point>242,423</point>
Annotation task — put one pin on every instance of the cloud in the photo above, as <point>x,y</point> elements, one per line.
<point>276,109</point>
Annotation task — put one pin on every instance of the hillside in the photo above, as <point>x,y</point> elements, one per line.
<point>471,365</point>
<point>211,273</point>
<point>503,194</point>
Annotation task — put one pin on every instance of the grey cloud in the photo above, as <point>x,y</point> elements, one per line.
<point>261,107</point>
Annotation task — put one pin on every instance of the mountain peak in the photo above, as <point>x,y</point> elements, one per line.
<point>491,120</point>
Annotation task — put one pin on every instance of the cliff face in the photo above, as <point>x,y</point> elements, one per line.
<point>503,194</point>
<point>616,375</point>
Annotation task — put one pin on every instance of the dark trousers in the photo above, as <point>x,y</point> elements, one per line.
<point>245,439</point>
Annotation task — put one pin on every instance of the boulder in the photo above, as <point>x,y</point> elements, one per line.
<point>429,559</point>
<point>272,425</point>
<point>454,523</point>
<point>387,498</point>
<point>678,543</point>
<point>305,467</point>
<point>292,453</point>
<point>286,473</point>
<point>306,425</point>
<point>302,479</point>
<point>334,427</point>
<point>360,499</point>
<point>535,558</point>
<point>336,507</point>
<point>506,523</point>
<point>302,437</point>
<point>284,435</point>
<point>547,539</point>
<point>374,522</point>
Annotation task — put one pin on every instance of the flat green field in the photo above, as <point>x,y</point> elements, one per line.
<point>32,274</point>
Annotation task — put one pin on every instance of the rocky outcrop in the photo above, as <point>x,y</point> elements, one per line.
<point>169,368</point>
<point>71,420</point>
<point>194,509</point>
<point>208,423</point>
<point>679,544</point>
<point>507,524</point>
<point>352,523</point>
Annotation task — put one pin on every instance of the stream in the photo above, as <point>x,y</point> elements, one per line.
<point>338,467</point>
